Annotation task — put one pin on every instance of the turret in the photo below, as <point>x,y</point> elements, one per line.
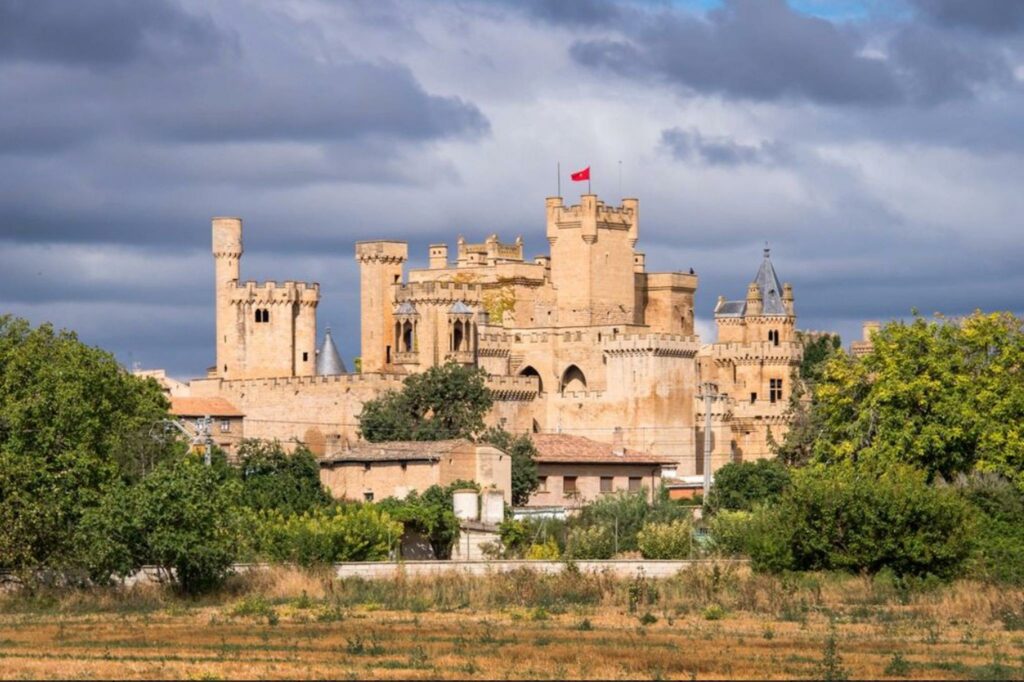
<point>380,270</point>
<point>787,298</point>
<point>227,257</point>
<point>438,256</point>
<point>754,299</point>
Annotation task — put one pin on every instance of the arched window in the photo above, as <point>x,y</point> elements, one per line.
<point>573,379</point>
<point>259,315</point>
<point>266,315</point>
<point>529,371</point>
<point>407,340</point>
<point>457,336</point>
<point>262,315</point>
<point>773,336</point>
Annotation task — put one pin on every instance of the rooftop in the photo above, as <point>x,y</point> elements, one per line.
<point>203,407</point>
<point>396,451</point>
<point>554,448</point>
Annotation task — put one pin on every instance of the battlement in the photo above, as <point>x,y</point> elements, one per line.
<point>490,252</point>
<point>756,351</point>
<point>434,291</point>
<point>663,345</point>
<point>513,387</point>
<point>204,387</point>
<point>271,292</point>
<point>622,217</point>
<point>382,251</point>
<point>671,280</point>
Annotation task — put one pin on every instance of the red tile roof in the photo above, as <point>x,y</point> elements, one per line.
<point>397,451</point>
<point>203,407</point>
<point>560,447</point>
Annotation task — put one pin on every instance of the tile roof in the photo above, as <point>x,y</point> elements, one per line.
<point>203,407</point>
<point>554,448</point>
<point>396,451</point>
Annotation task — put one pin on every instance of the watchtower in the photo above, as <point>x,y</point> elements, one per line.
<point>380,270</point>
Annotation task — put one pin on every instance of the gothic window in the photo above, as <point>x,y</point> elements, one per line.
<point>573,379</point>
<point>773,336</point>
<point>407,337</point>
<point>457,336</point>
<point>259,315</point>
<point>262,315</point>
<point>529,371</point>
<point>775,392</point>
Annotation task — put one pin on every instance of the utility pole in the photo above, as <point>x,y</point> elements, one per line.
<point>710,392</point>
<point>200,437</point>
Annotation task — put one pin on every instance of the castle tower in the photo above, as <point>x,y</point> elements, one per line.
<point>380,270</point>
<point>592,260</point>
<point>227,256</point>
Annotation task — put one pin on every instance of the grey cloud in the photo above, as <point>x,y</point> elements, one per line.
<point>104,33</point>
<point>990,16</point>
<point>760,49</point>
<point>574,12</point>
<point>692,145</point>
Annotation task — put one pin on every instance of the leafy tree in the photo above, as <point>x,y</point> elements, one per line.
<point>524,467</point>
<point>944,396</point>
<point>860,518</point>
<point>446,401</point>
<point>431,514</point>
<point>817,350</point>
<point>671,540</point>
<point>742,485</point>
<point>324,535</point>
<point>274,479</point>
<point>1000,531</point>
<point>72,421</point>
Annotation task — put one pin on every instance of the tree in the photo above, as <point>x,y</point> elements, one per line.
<point>861,518</point>
<point>183,518</point>
<point>72,421</point>
<point>446,401</point>
<point>430,514</point>
<point>274,479</point>
<point>945,396</point>
<point>739,486</point>
<point>521,450</point>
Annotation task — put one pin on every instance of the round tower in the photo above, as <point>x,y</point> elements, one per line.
<point>227,257</point>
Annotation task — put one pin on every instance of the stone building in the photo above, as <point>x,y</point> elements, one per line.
<point>581,340</point>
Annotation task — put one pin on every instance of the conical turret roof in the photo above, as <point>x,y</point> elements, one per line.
<point>771,291</point>
<point>328,361</point>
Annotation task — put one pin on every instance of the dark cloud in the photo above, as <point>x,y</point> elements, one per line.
<point>692,145</point>
<point>760,49</point>
<point>574,12</point>
<point>990,16</point>
<point>104,33</point>
<point>766,50</point>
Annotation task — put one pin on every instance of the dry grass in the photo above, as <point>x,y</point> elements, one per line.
<point>705,623</point>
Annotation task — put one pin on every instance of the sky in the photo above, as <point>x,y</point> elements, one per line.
<point>876,145</point>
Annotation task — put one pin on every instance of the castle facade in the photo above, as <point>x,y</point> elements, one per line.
<point>582,340</point>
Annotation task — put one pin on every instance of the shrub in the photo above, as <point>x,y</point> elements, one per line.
<point>742,485</point>
<point>1000,534</point>
<point>858,519</point>
<point>595,542</point>
<point>322,536</point>
<point>274,479</point>
<point>666,540</point>
<point>430,514</point>
<point>546,551</point>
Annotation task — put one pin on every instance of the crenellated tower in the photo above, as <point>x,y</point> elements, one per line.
<point>380,272</point>
<point>263,329</point>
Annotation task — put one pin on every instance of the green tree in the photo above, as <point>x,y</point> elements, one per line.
<point>324,535</point>
<point>944,396</point>
<point>274,479</point>
<point>1000,531</point>
<point>72,421</point>
<point>863,519</point>
<point>446,401</point>
<point>430,514</point>
<point>817,351</point>
<point>739,486</point>
<point>521,450</point>
<point>183,518</point>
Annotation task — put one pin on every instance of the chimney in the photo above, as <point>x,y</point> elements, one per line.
<point>617,449</point>
<point>438,256</point>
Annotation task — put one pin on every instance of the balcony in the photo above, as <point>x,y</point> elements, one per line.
<point>407,358</point>
<point>463,357</point>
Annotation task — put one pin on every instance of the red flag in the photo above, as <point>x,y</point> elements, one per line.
<point>580,176</point>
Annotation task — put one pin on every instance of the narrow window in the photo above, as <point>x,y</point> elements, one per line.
<point>753,398</point>
<point>368,496</point>
<point>635,484</point>
<point>305,357</point>
<point>606,484</point>
<point>225,426</point>
<point>259,315</point>
<point>266,315</point>
<point>397,278</point>
<point>542,484</point>
<point>569,485</point>
<point>775,392</point>
<point>387,355</point>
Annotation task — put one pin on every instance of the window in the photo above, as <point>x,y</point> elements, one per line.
<point>368,496</point>
<point>262,315</point>
<point>225,425</point>
<point>635,484</point>
<point>753,398</point>
<point>606,484</point>
<point>542,484</point>
<point>305,357</point>
<point>569,485</point>
<point>773,336</point>
<point>775,394</point>
<point>387,355</point>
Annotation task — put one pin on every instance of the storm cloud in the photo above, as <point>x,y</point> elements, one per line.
<point>879,152</point>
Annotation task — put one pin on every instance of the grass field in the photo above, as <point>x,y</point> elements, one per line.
<point>705,623</point>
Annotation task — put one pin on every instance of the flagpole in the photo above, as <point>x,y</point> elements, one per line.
<point>588,178</point>
<point>558,173</point>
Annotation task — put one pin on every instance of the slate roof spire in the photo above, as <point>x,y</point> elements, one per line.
<point>771,290</point>
<point>328,361</point>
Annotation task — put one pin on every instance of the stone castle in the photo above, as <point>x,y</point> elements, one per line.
<point>582,341</point>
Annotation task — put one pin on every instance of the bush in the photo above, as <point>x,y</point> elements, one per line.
<point>430,514</point>
<point>666,540</point>
<point>1000,556</point>
<point>324,536</point>
<point>858,519</point>
<point>275,479</point>
<point>742,485</point>
<point>546,551</point>
<point>595,542</point>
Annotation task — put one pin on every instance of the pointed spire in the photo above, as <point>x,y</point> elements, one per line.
<point>771,290</point>
<point>328,361</point>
